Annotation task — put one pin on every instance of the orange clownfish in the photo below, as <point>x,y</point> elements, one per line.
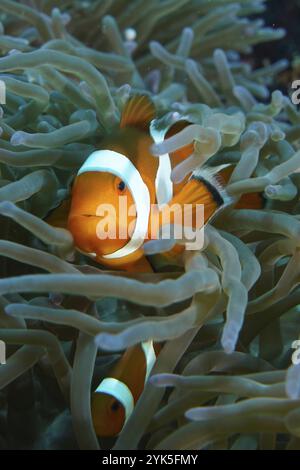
<point>114,399</point>
<point>124,166</point>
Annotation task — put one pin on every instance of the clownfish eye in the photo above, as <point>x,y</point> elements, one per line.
<point>121,186</point>
<point>115,406</point>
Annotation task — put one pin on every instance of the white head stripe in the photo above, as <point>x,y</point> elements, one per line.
<point>121,166</point>
<point>163,183</point>
<point>150,356</point>
<point>119,391</point>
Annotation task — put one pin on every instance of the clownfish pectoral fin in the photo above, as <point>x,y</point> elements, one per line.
<point>138,112</point>
<point>58,217</point>
<point>142,265</point>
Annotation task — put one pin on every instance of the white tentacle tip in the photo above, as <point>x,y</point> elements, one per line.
<point>228,341</point>
<point>292,385</point>
<point>18,138</point>
<point>6,207</point>
<point>9,310</point>
<point>156,380</point>
<point>163,380</point>
<point>192,414</point>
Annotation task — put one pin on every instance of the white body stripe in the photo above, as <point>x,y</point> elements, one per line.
<point>119,391</point>
<point>163,183</point>
<point>121,166</point>
<point>150,356</point>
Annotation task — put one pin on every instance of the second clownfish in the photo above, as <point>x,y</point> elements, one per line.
<point>115,397</point>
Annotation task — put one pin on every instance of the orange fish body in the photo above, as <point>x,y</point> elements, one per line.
<point>125,167</point>
<point>101,182</point>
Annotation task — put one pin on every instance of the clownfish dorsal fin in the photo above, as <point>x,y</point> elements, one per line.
<point>138,112</point>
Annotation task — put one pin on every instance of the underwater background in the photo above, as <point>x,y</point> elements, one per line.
<point>228,375</point>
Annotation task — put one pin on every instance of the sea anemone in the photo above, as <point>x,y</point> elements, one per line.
<point>227,315</point>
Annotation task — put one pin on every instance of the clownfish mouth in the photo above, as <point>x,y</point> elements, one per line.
<point>93,234</point>
<point>77,215</point>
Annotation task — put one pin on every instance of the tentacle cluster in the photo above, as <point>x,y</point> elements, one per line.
<point>229,316</point>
